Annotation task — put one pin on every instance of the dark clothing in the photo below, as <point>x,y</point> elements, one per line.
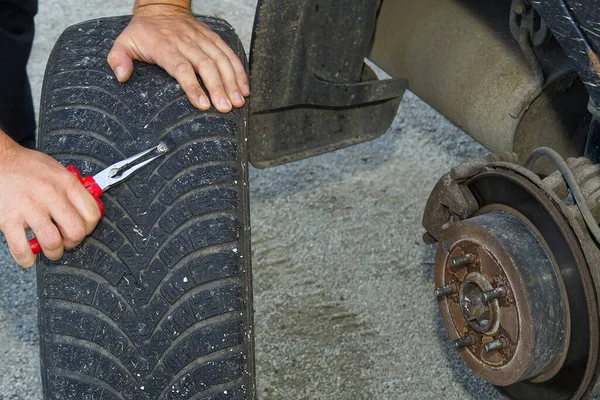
<point>17,118</point>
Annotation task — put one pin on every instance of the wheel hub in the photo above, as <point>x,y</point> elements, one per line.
<point>491,271</point>
<point>525,288</point>
<point>477,309</point>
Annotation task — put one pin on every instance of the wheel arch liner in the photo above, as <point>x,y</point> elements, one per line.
<point>311,91</point>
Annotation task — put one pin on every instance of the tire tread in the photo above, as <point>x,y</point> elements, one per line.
<point>156,303</point>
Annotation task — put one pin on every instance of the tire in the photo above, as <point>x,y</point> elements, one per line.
<point>157,302</point>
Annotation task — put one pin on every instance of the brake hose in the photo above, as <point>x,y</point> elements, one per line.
<point>572,184</point>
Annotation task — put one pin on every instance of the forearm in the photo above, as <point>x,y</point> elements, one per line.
<point>142,5</point>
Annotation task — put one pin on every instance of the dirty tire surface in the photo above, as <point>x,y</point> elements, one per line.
<point>156,303</point>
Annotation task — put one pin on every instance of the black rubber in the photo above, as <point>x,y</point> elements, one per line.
<point>157,303</point>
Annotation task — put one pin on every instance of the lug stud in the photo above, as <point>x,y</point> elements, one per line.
<point>445,291</point>
<point>461,261</point>
<point>493,294</point>
<point>463,342</point>
<point>490,347</point>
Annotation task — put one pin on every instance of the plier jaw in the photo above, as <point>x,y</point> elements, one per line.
<point>121,170</point>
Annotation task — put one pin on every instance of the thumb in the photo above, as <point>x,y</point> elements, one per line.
<point>120,61</point>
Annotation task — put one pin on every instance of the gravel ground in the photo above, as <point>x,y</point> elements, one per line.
<point>342,282</point>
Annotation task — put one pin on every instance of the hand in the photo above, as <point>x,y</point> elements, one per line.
<point>37,192</point>
<point>172,38</point>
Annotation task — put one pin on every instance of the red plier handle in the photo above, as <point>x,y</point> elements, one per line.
<point>95,190</point>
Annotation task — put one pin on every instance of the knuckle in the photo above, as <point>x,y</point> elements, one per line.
<point>53,241</point>
<point>9,221</point>
<point>96,215</point>
<point>221,43</point>
<point>112,57</point>
<point>213,36</point>
<point>19,252</point>
<point>71,180</point>
<point>27,202</point>
<point>184,68</point>
<point>92,220</point>
<point>77,232</point>
<point>221,58</point>
<point>45,187</point>
<point>205,63</point>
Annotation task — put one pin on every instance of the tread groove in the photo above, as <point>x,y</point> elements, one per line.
<point>91,275</point>
<point>196,290</point>
<point>96,109</point>
<point>200,361</point>
<point>70,131</point>
<point>58,338</point>
<point>71,305</point>
<point>190,223</point>
<point>88,379</point>
<point>192,329</point>
<point>96,88</point>
<point>218,388</point>
<point>195,254</point>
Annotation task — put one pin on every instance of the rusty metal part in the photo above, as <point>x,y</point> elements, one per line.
<point>496,345</point>
<point>494,294</point>
<point>463,260</point>
<point>448,202</point>
<point>472,70</point>
<point>451,201</point>
<point>520,190</point>
<point>587,175</point>
<point>508,254</point>
<point>464,342</point>
<point>524,16</point>
<point>481,315</point>
<point>504,186</point>
<point>445,290</point>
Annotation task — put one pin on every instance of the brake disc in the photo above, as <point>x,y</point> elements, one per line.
<point>514,287</point>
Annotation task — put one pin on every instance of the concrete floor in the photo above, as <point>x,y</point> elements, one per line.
<point>342,282</point>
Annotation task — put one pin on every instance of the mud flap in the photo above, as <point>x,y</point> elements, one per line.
<point>311,91</point>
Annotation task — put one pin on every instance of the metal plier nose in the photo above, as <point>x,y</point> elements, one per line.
<point>110,176</point>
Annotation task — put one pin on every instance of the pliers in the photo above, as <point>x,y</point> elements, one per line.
<point>110,176</point>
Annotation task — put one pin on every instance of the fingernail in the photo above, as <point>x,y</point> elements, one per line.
<point>238,98</point>
<point>225,103</point>
<point>120,72</point>
<point>204,101</point>
<point>246,90</point>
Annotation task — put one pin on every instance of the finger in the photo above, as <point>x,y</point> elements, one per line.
<point>238,67</point>
<point>226,71</point>
<point>181,69</point>
<point>209,72</point>
<point>18,245</point>
<point>71,226</point>
<point>47,234</point>
<point>85,206</point>
<point>120,60</point>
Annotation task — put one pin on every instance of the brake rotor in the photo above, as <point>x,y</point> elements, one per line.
<point>516,294</point>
